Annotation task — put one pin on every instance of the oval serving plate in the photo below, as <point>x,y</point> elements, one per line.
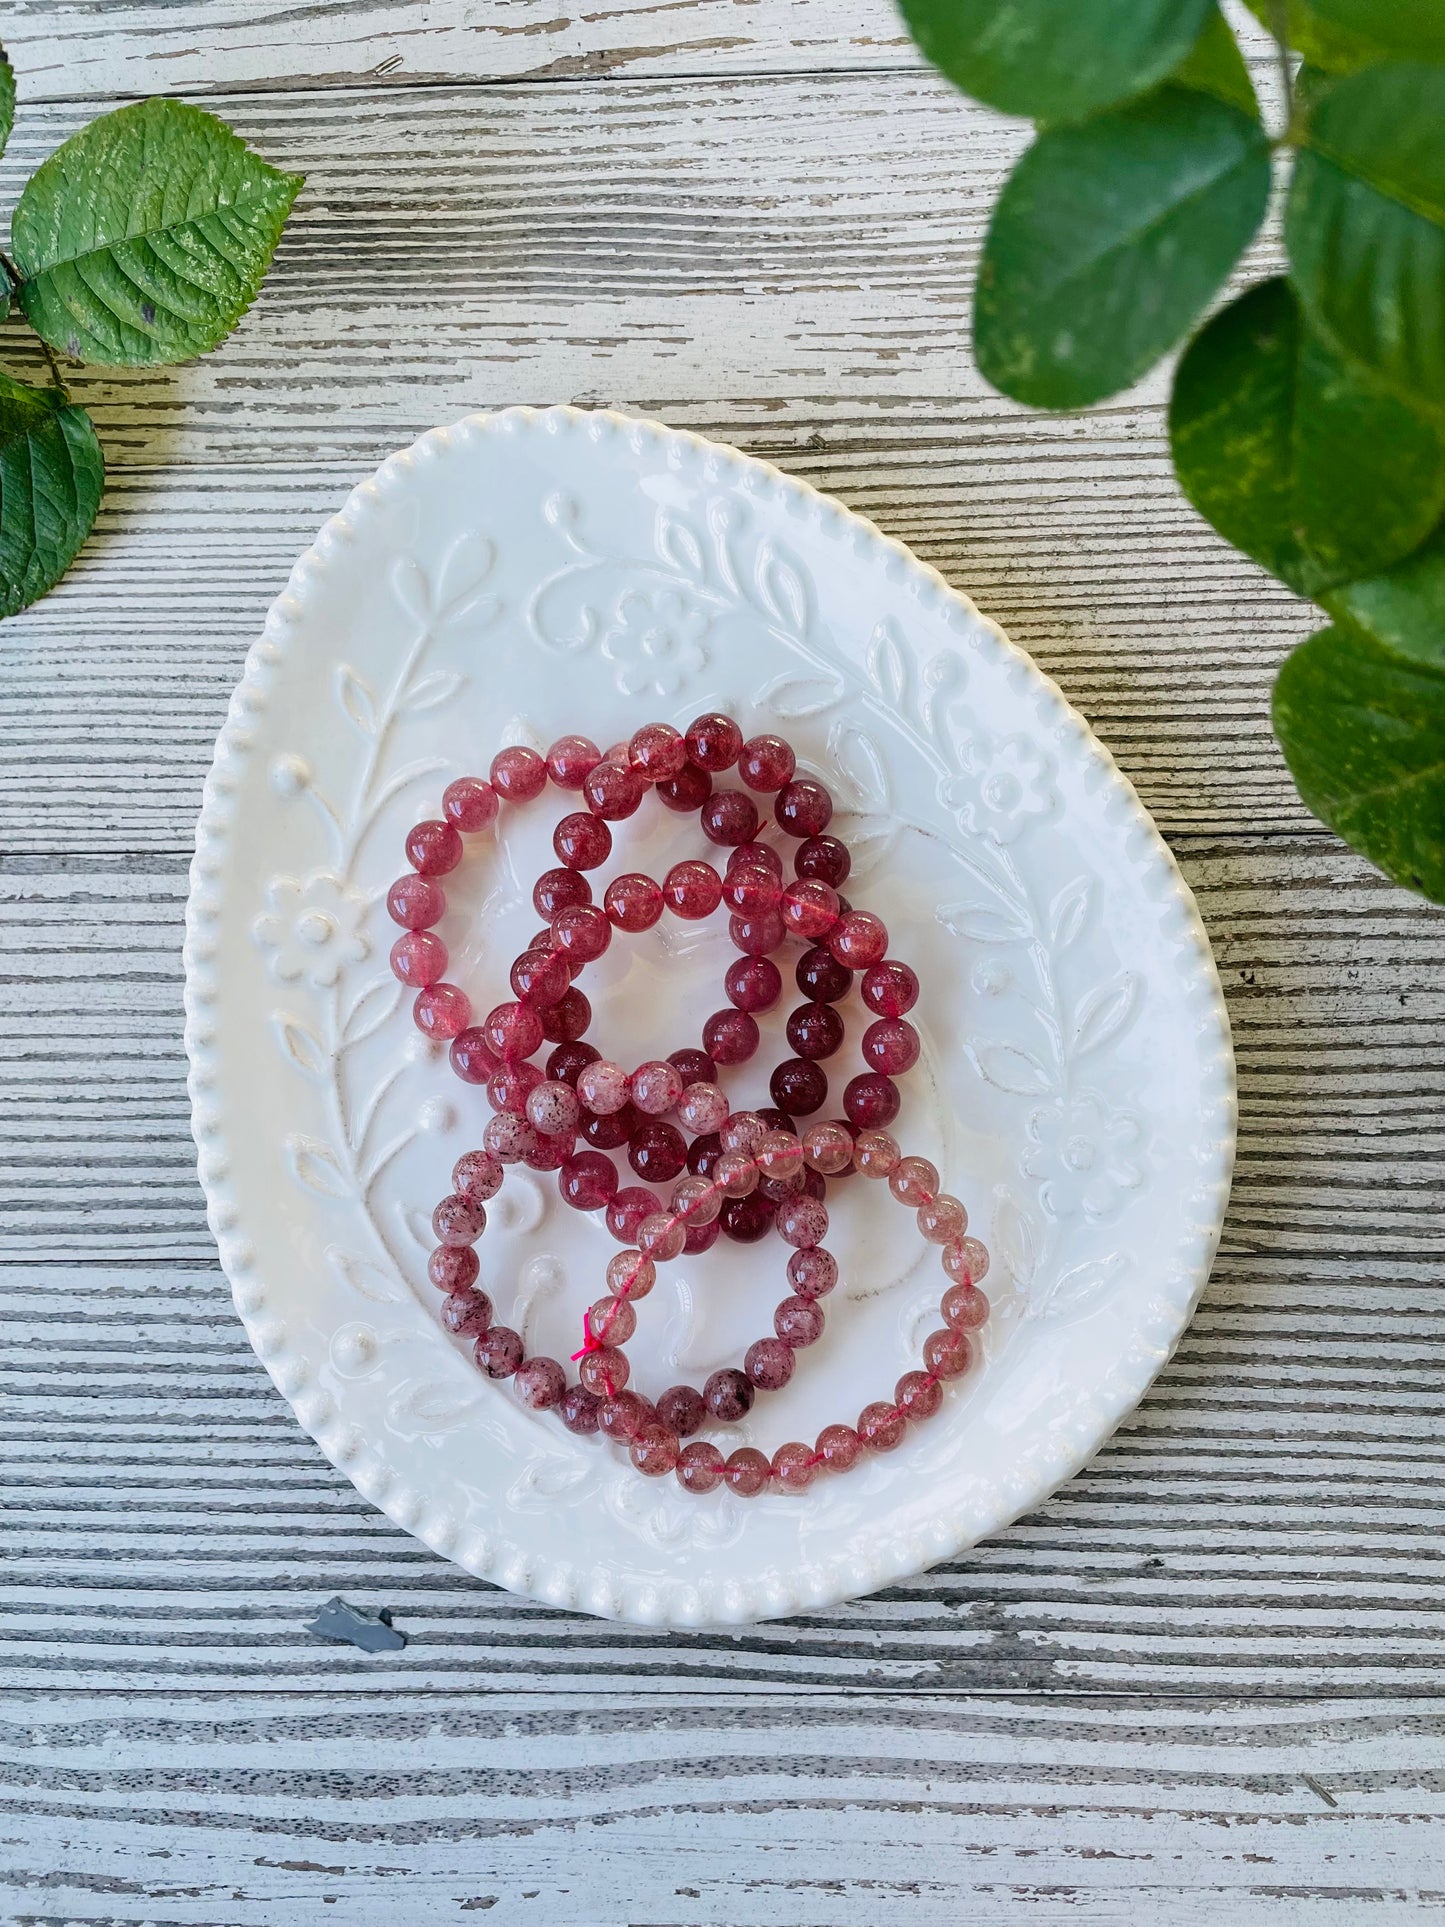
<point>528,573</point>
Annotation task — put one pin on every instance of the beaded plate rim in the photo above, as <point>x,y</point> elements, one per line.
<point>640,1598</point>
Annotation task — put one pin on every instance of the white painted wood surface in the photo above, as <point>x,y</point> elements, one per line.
<point>1205,1680</point>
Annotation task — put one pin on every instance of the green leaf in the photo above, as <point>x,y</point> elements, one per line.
<point>1109,240</point>
<point>1214,65</point>
<point>7,98</point>
<point>1317,40</point>
<point>1366,223</point>
<point>1408,29</point>
<point>1295,454</point>
<point>1055,60</point>
<point>1402,609</point>
<point>1363,733</point>
<point>51,476</point>
<point>145,237</point>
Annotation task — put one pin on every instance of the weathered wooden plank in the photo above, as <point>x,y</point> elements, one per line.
<point>810,1808</point>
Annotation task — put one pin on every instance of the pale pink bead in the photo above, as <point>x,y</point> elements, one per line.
<point>655,1088</point>
<point>943,1221</point>
<point>552,1108</point>
<point>964,1307</point>
<point>419,958</point>
<point>630,1274</point>
<point>735,1174</point>
<point>947,1353</point>
<point>612,1320</point>
<point>702,1108</point>
<point>441,1010</point>
<point>696,1200</point>
<point>803,1222</point>
<point>914,1181</point>
<point>839,1447</point>
<point>780,1154</point>
<point>540,1383</point>
<point>509,1138</point>
<point>794,1467</point>
<point>662,1236</point>
<point>828,1148</point>
<point>769,1364</point>
<point>876,1154</point>
<point>968,1259</point>
<point>602,1087</point>
<point>919,1394</point>
<point>477,1174</point>
<point>700,1467</point>
<point>743,1131</point>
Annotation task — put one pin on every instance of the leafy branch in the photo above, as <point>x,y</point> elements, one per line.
<point>1307,421</point>
<point>141,241</point>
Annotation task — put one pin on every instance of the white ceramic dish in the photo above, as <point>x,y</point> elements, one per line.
<point>521,575</point>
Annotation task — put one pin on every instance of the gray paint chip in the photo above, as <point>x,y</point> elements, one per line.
<point>352,1626</point>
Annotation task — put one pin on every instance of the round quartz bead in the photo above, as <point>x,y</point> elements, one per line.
<point>757,856</point>
<point>890,1045</point>
<point>629,1206</point>
<point>881,1427</point>
<point>419,958</point>
<point>588,1180</point>
<point>657,1153</point>
<point>499,1351</point>
<point>813,1272</point>
<point>747,1472</point>
<point>914,1181</point>
<point>512,1030</point>
<point>477,1175</point>
<point>703,1153</point>
<point>565,1021</point>
<point>692,890</point>
<point>416,902</point>
<point>662,1237</point>
<point>730,1036</point>
<point>687,791</point>
<point>876,1154</point>
<point>871,1101</point>
<point>799,1087</point>
<point>619,1418</point>
<point>458,1221</point>
<point>682,1410</point>
<point>859,939</point>
<point>809,908</point>
<point>433,848</point>
<point>825,858</point>
<point>603,1087</point>
<point>540,977</point>
<point>508,1088</point>
<point>964,1307</point>
<point>693,1066</point>
<point>630,1274</point>
<point>558,890</point>
<point>655,1451</point>
<point>947,1353</point>
<point>472,1057</point>
<point>604,1371</point>
<point>757,936</point>
<point>839,1447</point>
<point>821,977</point>
<point>579,1410</point>
<point>582,842</point>
<point>803,1223</point>
<point>613,791</point>
<point>633,902</point>
<point>470,804</point>
<point>794,1467</point>
<point>751,891</point>
<point>713,742</point>
<point>552,1108</point>
<point>745,1220</point>
<point>582,934</point>
<point>695,1201</point>
<point>753,983</point>
<point>659,751</point>
<point>453,1267</point>
<point>735,1174</point>
<point>728,1395</point>
<point>467,1314</point>
<point>610,1131</point>
<point>918,1394</point>
<point>510,1139</point>
<point>766,763</point>
<point>612,1320</point>
<point>890,988</point>
<point>780,1154</point>
<point>828,1148</point>
<point>729,817</point>
<point>442,1011</point>
<point>571,759</point>
<point>943,1221</point>
<point>744,1131</point>
<point>815,1030</point>
<point>967,1260</point>
<point>701,1237</point>
<point>702,1108</point>
<point>804,808</point>
<point>551,1152</point>
<point>798,1322</point>
<point>540,1383</point>
<point>699,1466</point>
<point>655,1088</point>
<point>518,774</point>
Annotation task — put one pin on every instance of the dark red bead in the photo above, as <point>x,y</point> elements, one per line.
<point>686,792</point>
<point>799,1087</point>
<point>582,841</point>
<point>804,808</point>
<point>729,817</point>
<point>775,1119</point>
<point>549,1153</point>
<point>558,890</point>
<point>633,901</point>
<point>692,890</point>
<point>416,902</point>
<point>821,977</point>
<point>610,1130</point>
<point>713,742</point>
<point>681,1408</point>
<point>540,977</point>
<point>730,1036</point>
<point>567,1019</point>
<point>758,936</point>
<point>872,1101</point>
<point>433,848</point>
<point>815,1030</point>
<point>473,1058</point>
<point>659,751</point>
<point>890,988</point>
<point>753,984</point>
<point>568,1061</point>
<point>824,858</point>
<point>588,1181</point>
<point>613,791</point>
<point>815,1185</point>
<point>891,1045</point>
<point>693,1067</point>
<point>570,759</point>
<point>703,1153</point>
<point>519,774</point>
<point>658,1152</point>
<point>766,763</point>
<point>628,1208</point>
<point>583,933</point>
<point>700,1238</point>
<point>757,856</point>
<point>745,1220</point>
<point>728,1395</point>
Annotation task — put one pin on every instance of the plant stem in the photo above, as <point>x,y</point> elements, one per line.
<point>12,275</point>
<point>1279,27</point>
